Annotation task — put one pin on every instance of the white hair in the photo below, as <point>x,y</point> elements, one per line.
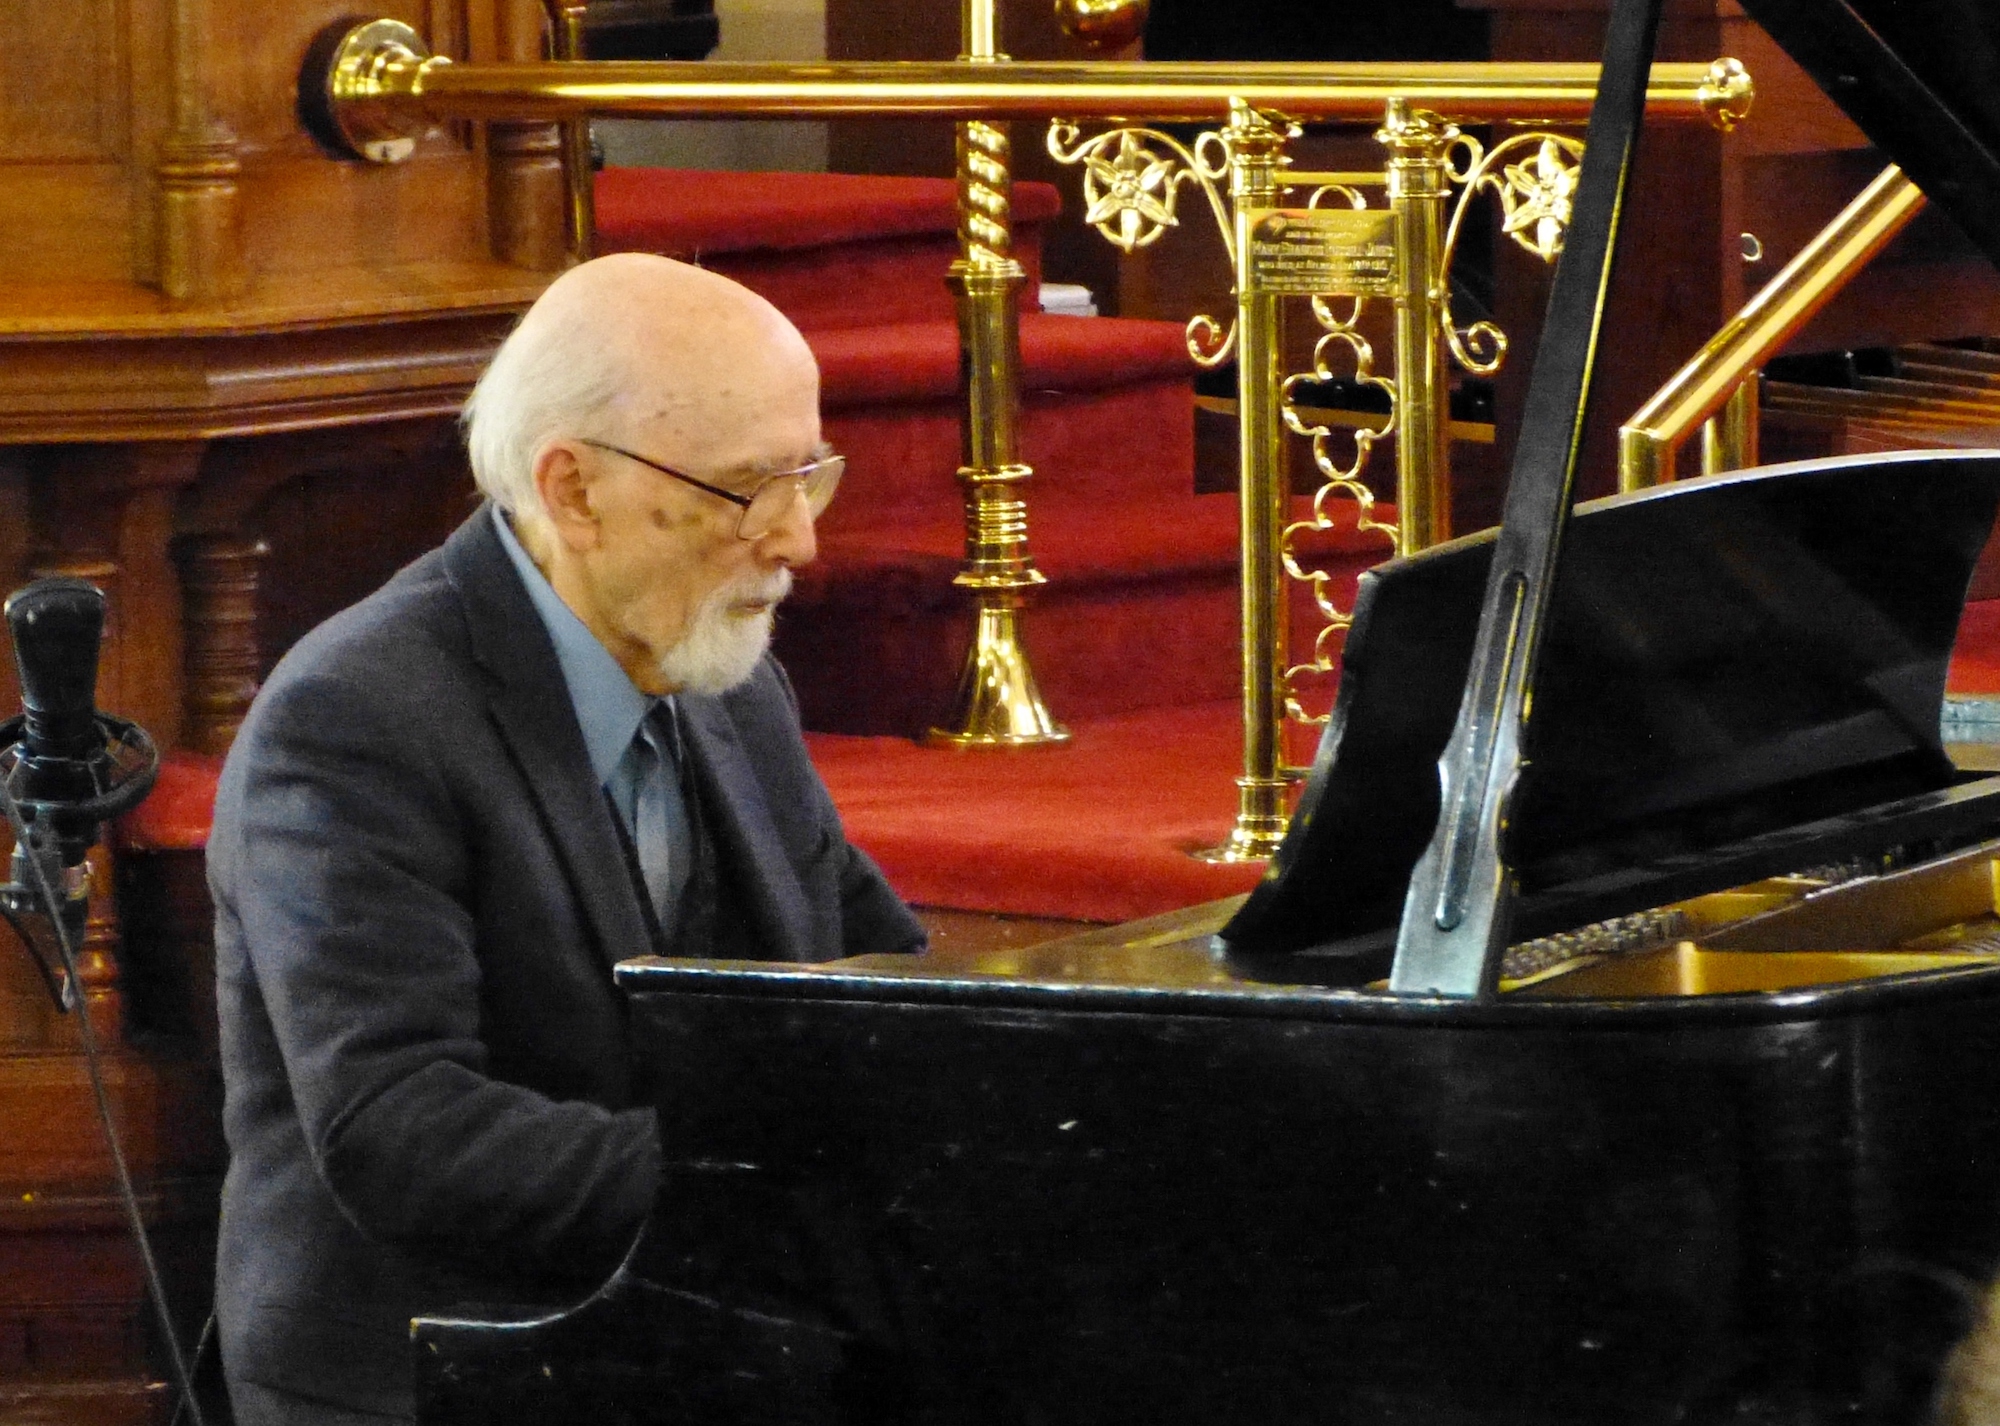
<point>722,646</point>
<point>550,378</point>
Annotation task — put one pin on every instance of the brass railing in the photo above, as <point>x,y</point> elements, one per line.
<point>383,89</point>
<point>1718,386</point>
<point>390,85</point>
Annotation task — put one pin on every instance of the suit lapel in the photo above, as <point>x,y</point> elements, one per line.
<point>531,706</point>
<point>746,842</point>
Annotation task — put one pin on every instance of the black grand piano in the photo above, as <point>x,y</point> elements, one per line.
<point>1616,1037</point>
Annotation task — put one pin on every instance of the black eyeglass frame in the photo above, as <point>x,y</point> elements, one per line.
<point>803,475</point>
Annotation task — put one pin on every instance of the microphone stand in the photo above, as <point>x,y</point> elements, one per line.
<point>65,770</point>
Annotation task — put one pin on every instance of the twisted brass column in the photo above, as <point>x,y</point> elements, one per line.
<point>998,704</point>
<point>1256,148</point>
<point>1419,190</point>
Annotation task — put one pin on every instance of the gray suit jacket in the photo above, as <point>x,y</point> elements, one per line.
<point>419,895</point>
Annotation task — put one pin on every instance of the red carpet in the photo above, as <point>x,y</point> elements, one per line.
<point>1098,829</point>
<point>1975,663</point>
<point>688,210</point>
<point>831,250</point>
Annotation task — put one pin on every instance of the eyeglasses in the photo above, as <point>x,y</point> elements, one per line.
<point>764,508</point>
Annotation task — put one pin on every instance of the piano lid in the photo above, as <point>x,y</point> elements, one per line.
<point>1742,675</point>
<point>1921,78</point>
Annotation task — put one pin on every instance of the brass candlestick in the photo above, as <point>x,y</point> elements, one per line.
<point>998,704</point>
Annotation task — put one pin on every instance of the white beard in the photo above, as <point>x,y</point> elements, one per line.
<point>723,645</point>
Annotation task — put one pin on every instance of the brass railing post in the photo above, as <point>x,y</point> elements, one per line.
<point>1256,152</point>
<point>997,704</point>
<point>566,41</point>
<point>1729,437</point>
<point>1419,193</point>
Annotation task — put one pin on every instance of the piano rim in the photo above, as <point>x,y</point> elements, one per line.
<point>917,986</point>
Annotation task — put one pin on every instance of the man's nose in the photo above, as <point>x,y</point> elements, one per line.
<point>792,540</point>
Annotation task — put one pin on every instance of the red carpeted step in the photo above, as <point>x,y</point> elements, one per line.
<point>892,669</point>
<point>1099,829</point>
<point>829,249</point>
<point>1142,607</point>
<point>1114,542</point>
<point>690,210</point>
<point>1086,448</point>
<point>915,361</point>
<point>1142,610</point>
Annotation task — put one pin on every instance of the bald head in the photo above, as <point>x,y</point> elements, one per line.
<point>636,349</point>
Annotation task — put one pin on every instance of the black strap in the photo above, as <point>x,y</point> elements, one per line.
<point>1457,911</point>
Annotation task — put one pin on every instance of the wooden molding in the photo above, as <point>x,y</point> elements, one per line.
<point>144,380</point>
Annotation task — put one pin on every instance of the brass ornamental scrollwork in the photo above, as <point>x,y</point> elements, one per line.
<point>1534,192</point>
<point>1131,192</point>
<point>1133,188</point>
<point>1133,179</point>
<point>1535,195</point>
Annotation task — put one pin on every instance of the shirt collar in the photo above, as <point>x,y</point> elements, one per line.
<point>609,706</point>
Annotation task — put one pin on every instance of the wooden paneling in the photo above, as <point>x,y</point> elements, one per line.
<point>64,73</point>
<point>149,373</point>
<point>69,222</point>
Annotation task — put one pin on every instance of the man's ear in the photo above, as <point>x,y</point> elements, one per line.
<point>565,488</point>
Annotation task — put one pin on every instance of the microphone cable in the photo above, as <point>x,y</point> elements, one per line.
<point>46,894</point>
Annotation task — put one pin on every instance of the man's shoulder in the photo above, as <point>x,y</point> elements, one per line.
<point>411,628</point>
<point>402,660</point>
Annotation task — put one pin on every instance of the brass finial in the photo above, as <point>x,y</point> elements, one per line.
<point>1103,24</point>
<point>1726,94</point>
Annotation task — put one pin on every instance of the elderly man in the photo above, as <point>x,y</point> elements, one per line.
<point>554,742</point>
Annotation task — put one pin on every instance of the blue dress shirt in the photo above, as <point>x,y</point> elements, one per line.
<point>609,706</point>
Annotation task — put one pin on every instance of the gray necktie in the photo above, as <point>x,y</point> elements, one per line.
<point>659,814</point>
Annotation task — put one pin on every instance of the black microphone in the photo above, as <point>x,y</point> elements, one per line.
<point>67,767</point>
<point>64,758</point>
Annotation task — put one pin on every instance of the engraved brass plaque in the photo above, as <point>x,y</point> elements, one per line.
<point>1302,252</point>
